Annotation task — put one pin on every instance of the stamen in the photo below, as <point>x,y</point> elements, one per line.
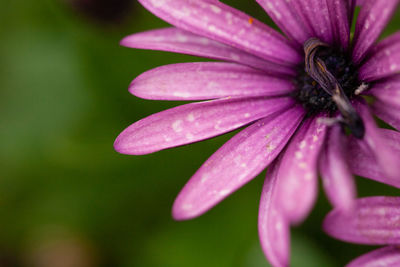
<point>316,68</point>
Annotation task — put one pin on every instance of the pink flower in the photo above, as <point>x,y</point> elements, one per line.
<point>375,221</point>
<point>295,96</point>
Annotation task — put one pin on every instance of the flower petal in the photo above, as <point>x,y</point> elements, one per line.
<point>384,257</point>
<point>337,178</point>
<point>297,186</point>
<point>388,114</point>
<point>288,19</point>
<point>372,19</point>
<point>222,23</point>
<point>388,92</point>
<point>339,11</point>
<point>375,221</point>
<point>194,122</point>
<point>383,61</point>
<point>363,162</point>
<point>235,163</point>
<point>377,144</point>
<point>207,80</point>
<point>273,228</point>
<point>184,42</point>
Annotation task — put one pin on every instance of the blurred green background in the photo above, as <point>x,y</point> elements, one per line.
<point>67,199</point>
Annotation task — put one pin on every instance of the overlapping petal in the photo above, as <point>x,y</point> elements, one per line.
<point>290,19</point>
<point>194,122</point>
<point>336,175</point>
<point>222,23</point>
<point>184,42</point>
<point>375,221</point>
<point>384,154</point>
<point>339,11</point>
<point>297,186</point>
<point>384,60</point>
<point>273,227</point>
<point>364,163</point>
<point>387,113</point>
<point>372,19</point>
<point>235,163</point>
<point>388,92</point>
<point>384,257</point>
<point>207,80</point>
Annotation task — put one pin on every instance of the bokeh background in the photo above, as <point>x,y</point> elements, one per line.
<point>67,199</point>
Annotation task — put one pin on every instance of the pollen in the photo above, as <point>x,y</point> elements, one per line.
<point>251,20</point>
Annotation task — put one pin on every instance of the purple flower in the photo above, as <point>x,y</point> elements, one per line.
<point>375,221</point>
<point>295,95</point>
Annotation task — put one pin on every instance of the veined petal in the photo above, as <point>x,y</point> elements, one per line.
<point>297,174</point>
<point>383,60</point>
<point>363,162</point>
<point>317,12</point>
<point>388,92</point>
<point>388,114</point>
<point>222,23</point>
<point>336,175</point>
<point>339,11</point>
<point>383,257</point>
<point>207,80</point>
<point>235,163</point>
<point>194,122</point>
<point>273,228</point>
<point>184,42</point>
<point>372,19</point>
<point>289,20</point>
<point>377,144</point>
<point>375,221</point>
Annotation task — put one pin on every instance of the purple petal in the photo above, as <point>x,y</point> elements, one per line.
<point>227,25</point>
<point>337,178</point>
<point>375,221</point>
<point>372,19</point>
<point>363,162</point>
<point>184,42</point>
<point>297,186</point>
<point>235,163</point>
<point>390,115</point>
<point>383,61</point>
<point>289,20</point>
<point>339,11</point>
<point>194,122</point>
<point>377,144</point>
<point>388,92</point>
<point>317,13</point>
<point>384,257</point>
<point>207,80</point>
<point>273,228</point>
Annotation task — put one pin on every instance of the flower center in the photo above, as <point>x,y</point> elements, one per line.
<point>327,83</point>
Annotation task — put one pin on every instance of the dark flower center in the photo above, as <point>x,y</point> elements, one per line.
<point>327,83</point>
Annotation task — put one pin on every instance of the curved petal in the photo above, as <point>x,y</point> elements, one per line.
<point>384,154</point>
<point>337,178</point>
<point>388,92</point>
<point>273,228</point>
<point>372,19</point>
<point>194,122</point>
<point>383,60</point>
<point>288,18</point>
<point>207,80</point>
<point>297,186</point>
<point>375,221</point>
<point>318,13</point>
<point>235,163</point>
<point>363,162</point>
<point>339,11</point>
<point>388,114</point>
<point>184,42</point>
<point>227,25</point>
<point>383,257</point>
